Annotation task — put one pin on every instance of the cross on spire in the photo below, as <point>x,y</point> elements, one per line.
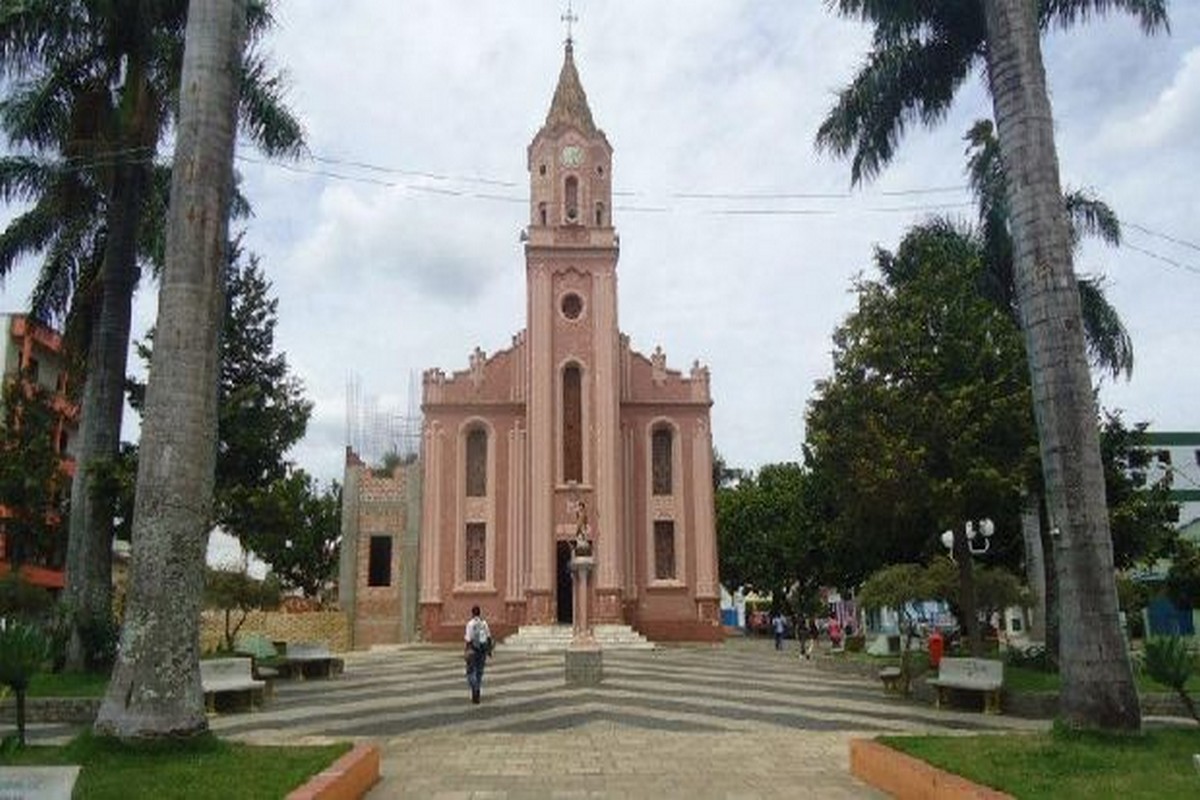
<point>570,18</point>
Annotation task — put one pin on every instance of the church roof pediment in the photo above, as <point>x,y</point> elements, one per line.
<point>650,380</point>
<point>486,379</point>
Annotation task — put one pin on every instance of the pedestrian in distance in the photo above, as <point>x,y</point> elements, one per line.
<point>477,647</point>
<point>777,626</point>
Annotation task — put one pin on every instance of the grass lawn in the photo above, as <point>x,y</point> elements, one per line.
<point>1064,764</point>
<point>204,768</point>
<point>1024,679</point>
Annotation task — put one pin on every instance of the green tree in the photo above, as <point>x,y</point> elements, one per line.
<point>1183,578</point>
<point>233,592</point>
<point>261,408</point>
<point>92,89</point>
<point>898,587</point>
<point>177,458</point>
<point>1142,517</point>
<point>31,475</point>
<point>921,54</point>
<point>767,539</point>
<point>926,420</point>
<point>295,527</point>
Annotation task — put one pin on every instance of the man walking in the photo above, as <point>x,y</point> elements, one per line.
<point>477,647</point>
<point>777,626</point>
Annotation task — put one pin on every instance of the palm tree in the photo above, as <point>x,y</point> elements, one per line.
<point>178,447</point>
<point>96,85</point>
<point>1109,346</point>
<point>922,53</point>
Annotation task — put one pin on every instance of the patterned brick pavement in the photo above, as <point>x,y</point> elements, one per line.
<point>736,721</point>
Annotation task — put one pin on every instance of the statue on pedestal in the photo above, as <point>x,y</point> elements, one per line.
<point>582,546</point>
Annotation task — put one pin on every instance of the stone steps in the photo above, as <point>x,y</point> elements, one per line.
<point>556,639</point>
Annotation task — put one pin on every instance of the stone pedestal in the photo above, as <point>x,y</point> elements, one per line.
<point>584,664</point>
<point>581,570</point>
<point>584,658</point>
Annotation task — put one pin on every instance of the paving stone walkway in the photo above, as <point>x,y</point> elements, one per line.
<point>736,721</point>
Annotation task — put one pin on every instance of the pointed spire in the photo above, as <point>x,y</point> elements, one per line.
<point>570,106</point>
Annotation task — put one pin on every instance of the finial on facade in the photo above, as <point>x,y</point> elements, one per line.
<point>570,18</point>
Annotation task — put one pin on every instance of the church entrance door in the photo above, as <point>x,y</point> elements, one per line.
<point>565,606</point>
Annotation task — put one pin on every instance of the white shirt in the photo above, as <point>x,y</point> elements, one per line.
<point>477,625</point>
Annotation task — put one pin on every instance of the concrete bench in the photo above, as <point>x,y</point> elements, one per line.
<point>310,660</point>
<point>971,674</point>
<point>229,682</point>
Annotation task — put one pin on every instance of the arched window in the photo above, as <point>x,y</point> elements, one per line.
<point>572,433</point>
<point>477,463</point>
<point>599,214</point>
<point>572,198</point>
<point>661,444</point>
<point>542,212</point>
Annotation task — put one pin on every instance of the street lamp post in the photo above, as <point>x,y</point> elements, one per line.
<point>973,540</point>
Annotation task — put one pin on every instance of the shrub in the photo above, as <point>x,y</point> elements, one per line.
<point>23,651</point>
<point>1168,661</point>
<point>1033,656</point>
<point>21,599</point>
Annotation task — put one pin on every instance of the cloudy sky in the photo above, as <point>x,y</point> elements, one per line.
<point>394,247</point>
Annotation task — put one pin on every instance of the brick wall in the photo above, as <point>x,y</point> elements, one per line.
<point>382,508</point>
<point>310,626</point>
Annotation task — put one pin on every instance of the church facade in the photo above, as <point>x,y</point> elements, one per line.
<point>568,428</point>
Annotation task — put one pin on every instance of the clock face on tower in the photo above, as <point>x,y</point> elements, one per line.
<point>572,155</point>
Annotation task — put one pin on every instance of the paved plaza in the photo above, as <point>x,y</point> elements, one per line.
<point>735,721</point>
<point>738,720</point>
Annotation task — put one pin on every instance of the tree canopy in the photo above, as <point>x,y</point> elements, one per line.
<point>295,526</point>
<point>768,539</point>
<point>32,480</point>
<point>926,420</point>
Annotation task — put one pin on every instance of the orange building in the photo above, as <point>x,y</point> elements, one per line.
<point>38,350</point>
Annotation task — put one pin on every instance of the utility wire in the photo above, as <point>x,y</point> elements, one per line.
<point>1161,235</point>
<point>1162,258</point>
<point>146,154</point>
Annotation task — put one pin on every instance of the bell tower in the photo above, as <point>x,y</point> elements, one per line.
<point>571,251</point>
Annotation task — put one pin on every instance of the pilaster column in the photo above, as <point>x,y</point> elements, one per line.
<point>431,549</point>
<point>702,494</point>
<point>609,545</point>
<point>541,429</point>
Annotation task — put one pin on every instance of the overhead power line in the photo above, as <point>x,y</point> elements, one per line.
<point>1161,235</point>
<point>145,154</point>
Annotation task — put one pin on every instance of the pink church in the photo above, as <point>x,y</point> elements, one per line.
<point>568,423</point>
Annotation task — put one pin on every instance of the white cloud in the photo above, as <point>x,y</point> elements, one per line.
<point>695,96</point>
<point>1173,117</point>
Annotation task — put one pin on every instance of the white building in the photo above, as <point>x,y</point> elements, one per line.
<point>1176,456</point>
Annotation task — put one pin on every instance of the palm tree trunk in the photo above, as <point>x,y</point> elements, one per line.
<point>1097,686</point>
<point>155,689</point>
<point>89,544</point>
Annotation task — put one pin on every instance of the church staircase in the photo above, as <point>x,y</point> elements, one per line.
<point>556,638</point>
